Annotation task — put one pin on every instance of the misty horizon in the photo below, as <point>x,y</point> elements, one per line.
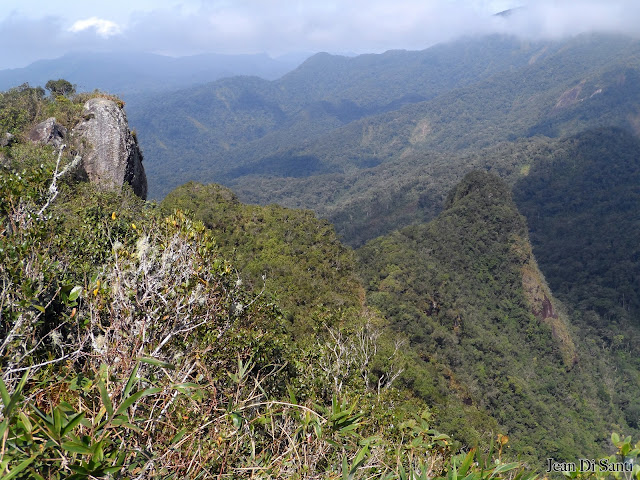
<point>280,27</point>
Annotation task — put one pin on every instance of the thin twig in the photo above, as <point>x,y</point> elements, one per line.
<point>53,188</point>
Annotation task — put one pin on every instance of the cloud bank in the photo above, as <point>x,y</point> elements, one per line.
<point>103,28</point>
<point>281,26</point>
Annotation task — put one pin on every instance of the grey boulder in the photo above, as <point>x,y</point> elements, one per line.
<point>49,132</point>
<point>110,153</point>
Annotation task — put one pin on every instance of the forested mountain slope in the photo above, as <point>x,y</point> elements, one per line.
<point>487,343</point>
<point>368,202</point>
<point>490,346</point>
<point>295,257</point>
<point>337,115</point>
<point>583,208</point>
<point>559,95</point>
<point>555,96</point>
<point>467,291</point>
<point>237,339</point>
<point>543,125</point>
<point>234,122</point>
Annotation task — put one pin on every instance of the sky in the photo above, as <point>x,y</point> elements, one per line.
<point>39,29</point>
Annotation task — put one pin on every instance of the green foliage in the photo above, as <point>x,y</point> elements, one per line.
<point>23,107</point>
<point>387,171</point>
<point>94,278</point>
<point>577,194</point>
<point>621,464</point>
<point>335,116</point>
<point>456,287</point>
<point>60,87</point>
<point>364,204</point>
<point>19,107</point>
<point>147,354</point>
<point>64,443</point>
<point>131,349</point>
<point>290,255</point>
<point>235,126</point>
<point>580,203</point>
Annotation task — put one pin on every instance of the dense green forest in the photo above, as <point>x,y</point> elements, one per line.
<point>206,337</point>
<point>337,115</point>
<point>247,120</point>
<point>582,204</point>
<point>461,290</point>
<point>133,348</point>
<point>366,203</point>
<point>467,291</point>
<point>403,162</point>
<point>295,257</point>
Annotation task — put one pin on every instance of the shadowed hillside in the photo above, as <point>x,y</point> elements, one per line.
<point>467,291</point>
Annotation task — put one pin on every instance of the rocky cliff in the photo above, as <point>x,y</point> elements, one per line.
<point>110,153</point>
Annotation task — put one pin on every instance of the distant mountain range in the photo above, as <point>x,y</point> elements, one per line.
<point>236,122</point>
<point>401,163</point>
<point>129,74</point>
<point>336,115</point>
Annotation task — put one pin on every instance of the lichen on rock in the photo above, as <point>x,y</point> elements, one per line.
<point>110,153</point>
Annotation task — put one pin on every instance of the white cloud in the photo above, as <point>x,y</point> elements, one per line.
<point>182,27</point>
<point>278,26</point>
<point>104,28</point>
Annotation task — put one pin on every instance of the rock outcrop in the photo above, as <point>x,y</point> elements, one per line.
<point>6,139</point>
<point>49,132</point>
<point>541,302</point>
<point>110,153</point>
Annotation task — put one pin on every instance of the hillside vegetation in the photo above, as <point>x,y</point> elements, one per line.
<point>295,257</point>
<point>582,204</point>
<point>478,333</point>
<point>467,291</point>
<point>337,115</point>
<point>204,337</point>
<point>219,128</point>
<point>132,348</point>
<point>402,163</point>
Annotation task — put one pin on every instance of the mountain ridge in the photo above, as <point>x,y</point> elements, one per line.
<point>467,291</point>
<point>329,114</point>
<point>313,107</point>
<point>131,74</point>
